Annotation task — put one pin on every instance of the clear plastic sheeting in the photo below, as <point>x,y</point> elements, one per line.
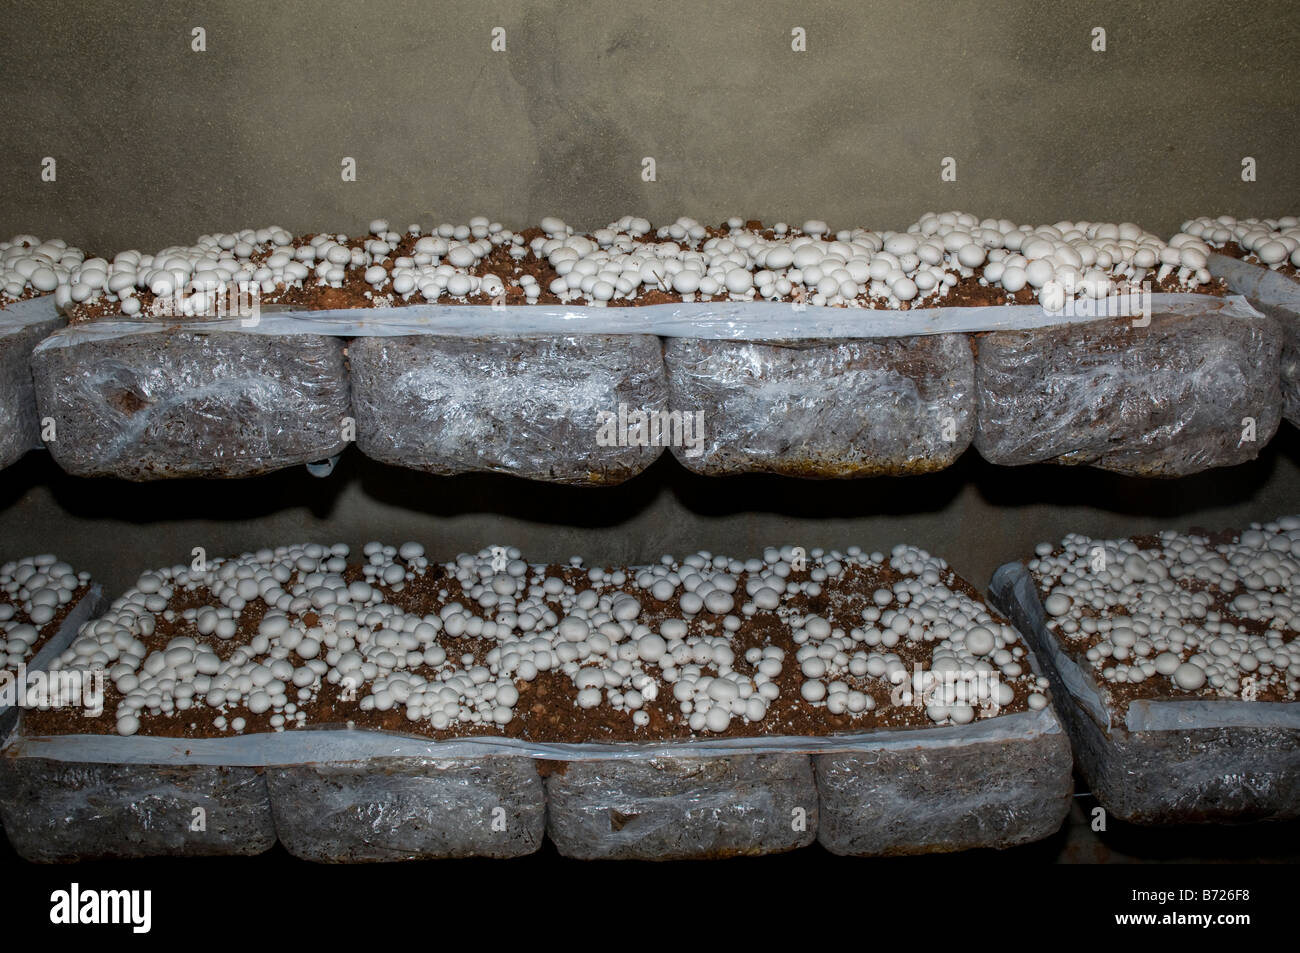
<point>1197,388</point>
<point>22,326</point>
<point>1277,296</point>
<point>544,407</point>
<point>148,406</point>
<point>343,745</point>
<point>843,408</point>
<point>391,809</point>
<point>679,808</point>
<point>708,320</point>
<point>1166,762</point>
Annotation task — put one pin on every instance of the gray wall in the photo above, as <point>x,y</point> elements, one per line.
<point>976,515</point>
<point>156,144</point>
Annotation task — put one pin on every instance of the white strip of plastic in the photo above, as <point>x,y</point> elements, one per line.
<point>1014,581</point>
<point>718,320</point>
<point>1262,284</point>
<point>339,746</point>
<point>1195,713</point>
<point>23,314</point>
<point>1013,589</point>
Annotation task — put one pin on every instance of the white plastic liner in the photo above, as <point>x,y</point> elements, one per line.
<point>23,314</point>
<point>1013,581</point>
<point>1146,715</point>
<point>315,746</point>
<point>714,320</point>
<point>1257,282</point>
<point>1278,297</point>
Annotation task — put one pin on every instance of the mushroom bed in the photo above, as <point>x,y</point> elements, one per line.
<point>1176,666</point>
<point>394,708</point>
<point>598,407</point>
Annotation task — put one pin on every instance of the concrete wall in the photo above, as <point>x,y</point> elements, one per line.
<point>156,144</point>
<point>976,515</point>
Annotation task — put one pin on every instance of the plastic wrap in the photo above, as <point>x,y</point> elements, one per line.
<point>842,408</point>
<point>675,808</point>
<point>1166,762</point>
<point>1197,388</point>
<point>530,405</point>
<point>60,811</point>
<point>997,793</point>
<point>409,809</point>
<point>707,320</point>
<point>22,325</point>
<point>147,405</point>
<point>1278,297</point>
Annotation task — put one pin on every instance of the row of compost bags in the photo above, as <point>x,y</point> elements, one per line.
<point>334,795</point>
<point>592,396</point>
